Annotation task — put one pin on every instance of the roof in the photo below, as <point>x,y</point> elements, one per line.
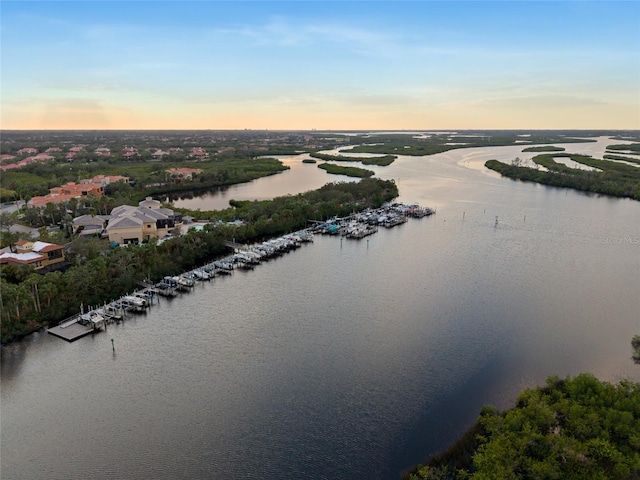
<point>150,213</point>
<point>122,210</point>
<point>125,222</point>
<point>148,202</point>
<point>165,211</point>
<point>91,219</point>
<point>45,247</point>
<point>22,257</point>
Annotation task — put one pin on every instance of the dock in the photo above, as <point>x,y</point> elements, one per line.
<point>356,226</point>
<point>71,330</point>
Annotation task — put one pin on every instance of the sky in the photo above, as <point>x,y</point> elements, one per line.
<point>303,65</point>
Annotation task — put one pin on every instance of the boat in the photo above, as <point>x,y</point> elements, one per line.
<point>134,303</point>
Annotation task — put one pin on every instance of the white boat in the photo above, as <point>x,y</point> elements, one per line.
<point>133,303</point>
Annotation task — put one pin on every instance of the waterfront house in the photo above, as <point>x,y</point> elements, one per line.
<point>183,173</point>
<point>129,224</point>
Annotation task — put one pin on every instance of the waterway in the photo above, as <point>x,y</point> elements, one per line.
<point>352,359</point>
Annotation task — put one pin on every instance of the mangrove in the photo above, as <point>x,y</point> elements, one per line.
<point>614,178</point>
<point>578,428</point>
<point>348,171</point>
<point>381,161</point>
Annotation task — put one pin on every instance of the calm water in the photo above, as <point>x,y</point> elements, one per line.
<point>301,177</point>
<point>352,360</point>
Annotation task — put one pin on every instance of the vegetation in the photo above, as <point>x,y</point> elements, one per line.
<point>148,178</point>
<point>633,148</point>
<point>635,343</point>
<point>309,160</point>
<point>620,157</point>
<point>99,274</point>
<point>546,148</point>
<point>615,178</point>
<point>438,142</point>
<point>348,171</point>
<point>381,161</point>
<point>579,428</point>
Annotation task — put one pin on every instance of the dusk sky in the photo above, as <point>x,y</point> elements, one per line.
<point>322,65</point>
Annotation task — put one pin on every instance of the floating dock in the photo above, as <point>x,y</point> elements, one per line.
<point>71,330</point>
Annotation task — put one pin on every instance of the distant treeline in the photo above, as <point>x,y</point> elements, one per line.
<point>615,178</point>
<point>574,429</point>
<point>398,144</point>
<point>102,274</point>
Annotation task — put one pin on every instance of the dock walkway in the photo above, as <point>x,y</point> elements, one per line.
<point>71,330</point>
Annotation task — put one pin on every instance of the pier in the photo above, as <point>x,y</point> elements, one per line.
<point>71,330</point>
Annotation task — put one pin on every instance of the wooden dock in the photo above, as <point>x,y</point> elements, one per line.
<point>71,330</point>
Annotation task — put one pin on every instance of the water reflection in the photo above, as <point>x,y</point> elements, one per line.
<point>301,177</point>
<point>342,360</point>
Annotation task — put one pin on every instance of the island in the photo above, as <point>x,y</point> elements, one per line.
<point>575,428</point>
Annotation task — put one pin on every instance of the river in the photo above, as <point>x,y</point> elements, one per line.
<point>352,359</point>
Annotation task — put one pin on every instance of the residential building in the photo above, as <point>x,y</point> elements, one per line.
<point>67,192</point>
<point>129,224</point>
<point>184,173</point>
<point>104,179</point>
<point>39,255</point>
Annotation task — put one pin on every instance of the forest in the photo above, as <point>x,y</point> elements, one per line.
<point>578,428</point>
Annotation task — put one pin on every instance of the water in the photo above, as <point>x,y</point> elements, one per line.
<point>343,360</point>
<point>301,177</point>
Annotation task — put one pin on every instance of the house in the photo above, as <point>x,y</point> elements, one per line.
<point>184,173</point>
<point>66,192</point>
<point>41,157</point>
<point>129,224</point>
<point>157,154</point>
<point>39,255</point>
<point>129,152</point>
<point>27,150</point>
<point>104,179</point>
<point>199,153</point>
<point>103,152</point>
<point>89,225</point>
